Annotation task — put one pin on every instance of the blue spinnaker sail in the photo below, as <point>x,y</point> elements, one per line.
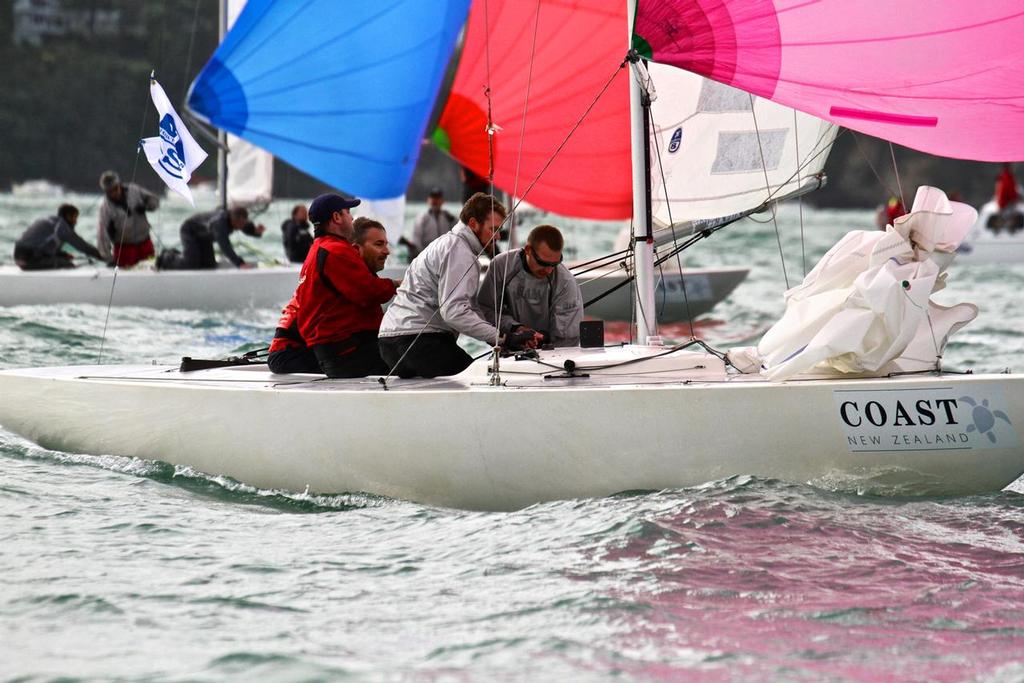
<point>340,90</point>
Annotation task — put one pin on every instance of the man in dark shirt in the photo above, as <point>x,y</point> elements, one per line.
<point>198,234</point>
<point>295,235</point>
<point>39,247</point>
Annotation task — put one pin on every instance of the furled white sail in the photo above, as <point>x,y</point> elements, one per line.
<point>718,151</point>
<point>250,174</point>
<point>866,307</point>
<point>250,169</point>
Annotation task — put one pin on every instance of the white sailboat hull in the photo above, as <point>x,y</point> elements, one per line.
<point>462,443</point>
<point>675,300</point>
<point>219,289</point>
<point>985,244</point>
<point>271,287</point>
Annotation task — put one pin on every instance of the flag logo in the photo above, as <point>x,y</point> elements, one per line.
<point>174,153</point>
<point>173,160</point>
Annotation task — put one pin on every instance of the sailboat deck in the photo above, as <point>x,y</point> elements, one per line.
<point>601,368</point>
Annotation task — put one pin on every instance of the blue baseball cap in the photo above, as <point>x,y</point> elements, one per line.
<point>321,209</point>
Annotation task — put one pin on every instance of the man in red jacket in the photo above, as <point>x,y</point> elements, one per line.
<point>339,298</point>
<point>288,353</point>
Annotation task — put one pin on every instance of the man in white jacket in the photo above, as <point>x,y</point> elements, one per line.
<point>437,300</point>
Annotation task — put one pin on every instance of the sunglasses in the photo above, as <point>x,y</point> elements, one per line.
<point>545,264</point>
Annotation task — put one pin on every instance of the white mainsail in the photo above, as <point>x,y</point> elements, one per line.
<point>718,153</point>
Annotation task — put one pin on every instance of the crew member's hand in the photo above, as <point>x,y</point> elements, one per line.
<point>520,338</point>
<point>260,229</point>
<point>244,265</point>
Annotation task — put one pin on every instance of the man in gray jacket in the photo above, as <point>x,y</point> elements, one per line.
<point>534,289</point>
<point>437,300</point>
<point>39,247</point>
<point>433,223</point>
<point>123,235</point>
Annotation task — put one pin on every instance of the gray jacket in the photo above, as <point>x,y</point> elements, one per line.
<point>127,218</point>
<point>429,226</point>
<point>438,293</point>
<point>553,304</point>
<point>46,236</point>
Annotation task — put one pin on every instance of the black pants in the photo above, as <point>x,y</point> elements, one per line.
<point>432,355</point>
<point>357,356</point>
<point>30,259</point>
<point>295,359</point>
<point>196,249</point>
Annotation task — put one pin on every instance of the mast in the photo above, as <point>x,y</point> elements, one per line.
<point>643,240</point>
<point>222,137</point>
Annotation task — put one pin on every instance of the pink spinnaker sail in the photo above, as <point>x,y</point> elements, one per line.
<point>941,76</point>
<point>579,47</point>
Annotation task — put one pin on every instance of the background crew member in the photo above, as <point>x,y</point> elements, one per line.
<point>123,234</point>
<point>39,247</point>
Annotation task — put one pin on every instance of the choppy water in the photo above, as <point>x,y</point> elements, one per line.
<point>118,569</point>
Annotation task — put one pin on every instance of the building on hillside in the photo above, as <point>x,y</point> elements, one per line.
<point>38,20</point>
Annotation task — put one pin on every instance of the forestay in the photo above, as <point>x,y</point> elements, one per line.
<point>342,91</point>
<point>936,76</point>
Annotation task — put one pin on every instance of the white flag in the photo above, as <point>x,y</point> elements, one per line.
<point>174,154</point>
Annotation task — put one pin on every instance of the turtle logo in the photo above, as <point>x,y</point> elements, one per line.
<point>984,419</point>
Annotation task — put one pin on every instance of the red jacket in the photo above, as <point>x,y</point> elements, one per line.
<point>337,294</point>
<point>287,329</point>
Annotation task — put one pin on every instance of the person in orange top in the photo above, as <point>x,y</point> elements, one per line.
<point>339,298</point>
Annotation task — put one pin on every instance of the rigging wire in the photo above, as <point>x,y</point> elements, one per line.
<point>191,44</point>
<point>896,170</point>
<point>135,166</point>
<point>768,186</point>
<point>800,199</point>
<point>867,160</point>
<point>672,226</point>
<point>547,164</point>
<point>701,234</point>
<point>490,176</point>
<point>515,184</point>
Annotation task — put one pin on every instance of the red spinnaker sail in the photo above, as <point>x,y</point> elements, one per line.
<point>579,47</point>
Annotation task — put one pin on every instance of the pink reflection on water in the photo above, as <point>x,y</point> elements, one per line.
<point>753,588</point>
